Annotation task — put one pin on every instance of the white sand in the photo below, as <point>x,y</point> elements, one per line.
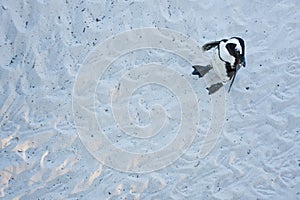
<point>43,46</point>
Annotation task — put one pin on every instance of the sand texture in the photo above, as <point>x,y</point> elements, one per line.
<point>98,101</point>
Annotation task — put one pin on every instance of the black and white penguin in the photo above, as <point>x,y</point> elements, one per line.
<point>227,60</point>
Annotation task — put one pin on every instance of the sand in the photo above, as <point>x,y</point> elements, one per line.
<point>98,101</point>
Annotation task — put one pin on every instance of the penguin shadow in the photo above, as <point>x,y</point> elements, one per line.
<point>201,71</point>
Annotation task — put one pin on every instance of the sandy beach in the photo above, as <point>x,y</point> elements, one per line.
<point>98,101</point>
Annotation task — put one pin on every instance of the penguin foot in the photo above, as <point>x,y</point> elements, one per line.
<point>201,70</point>
<point>213,88</point>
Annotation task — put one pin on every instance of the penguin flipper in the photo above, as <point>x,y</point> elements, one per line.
<point>201,70</point>
<point>210,45</point>
<point>213,88</point>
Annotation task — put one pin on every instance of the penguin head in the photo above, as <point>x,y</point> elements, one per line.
<point>232,51</point>
<point>236,48</point>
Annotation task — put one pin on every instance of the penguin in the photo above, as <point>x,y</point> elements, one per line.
<point>228,58</point>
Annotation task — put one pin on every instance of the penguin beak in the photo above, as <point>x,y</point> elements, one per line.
<point>243,61</point>
<point>241,58</point>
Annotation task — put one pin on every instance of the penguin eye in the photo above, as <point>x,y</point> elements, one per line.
<point>237,50</point>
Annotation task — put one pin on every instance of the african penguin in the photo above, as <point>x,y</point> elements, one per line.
<point>227,60</point>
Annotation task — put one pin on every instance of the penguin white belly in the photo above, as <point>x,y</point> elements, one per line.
<point>219,67</point>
